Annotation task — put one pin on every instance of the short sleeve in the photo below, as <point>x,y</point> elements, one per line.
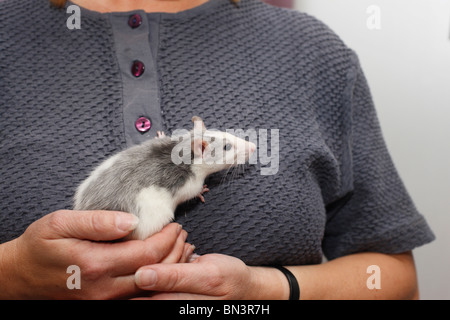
<point>377,215</point>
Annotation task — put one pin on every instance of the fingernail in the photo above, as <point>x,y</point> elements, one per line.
<point>184,235</point>
<point>145,278</point>
<point>190,251</point>
<point>180,227</point>
<point>126,222</point>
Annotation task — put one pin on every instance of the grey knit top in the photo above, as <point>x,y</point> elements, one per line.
<point>70,98</point>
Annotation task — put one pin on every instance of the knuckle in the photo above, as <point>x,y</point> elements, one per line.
<point>173,280</point>
<point>91,271</point>
<point>97,222</point>
<point>151,255</point>
<point>91,268</point>
<point>215,279</point>
<point>77,254</point>
<point>57,220</point>
<point>155,252</point>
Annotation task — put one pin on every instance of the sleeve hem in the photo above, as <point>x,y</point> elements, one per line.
<point>396,240</point>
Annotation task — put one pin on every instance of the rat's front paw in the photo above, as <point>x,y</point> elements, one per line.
<point>160,134</point>
<point>200,195</point>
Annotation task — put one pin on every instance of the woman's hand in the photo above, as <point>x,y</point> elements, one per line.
<point>212,276</point>
<point>35,264</point>
<point>215,276</point>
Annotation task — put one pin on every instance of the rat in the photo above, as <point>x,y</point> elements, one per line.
<point>149,180</point>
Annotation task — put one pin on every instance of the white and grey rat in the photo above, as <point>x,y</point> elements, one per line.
<point>146,181</point>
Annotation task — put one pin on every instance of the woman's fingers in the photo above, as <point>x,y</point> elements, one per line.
<point>124,258</point>
<point>87,225</point>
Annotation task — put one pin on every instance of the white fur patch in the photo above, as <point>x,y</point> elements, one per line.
<point>191,188</point>
<point>155,208</point>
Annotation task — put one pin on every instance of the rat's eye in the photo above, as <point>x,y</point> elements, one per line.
<point>227,147</point>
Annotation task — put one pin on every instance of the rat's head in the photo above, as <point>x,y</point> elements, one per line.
<point>217,150</point>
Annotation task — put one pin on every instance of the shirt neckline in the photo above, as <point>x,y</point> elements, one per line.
<point>205,7</point>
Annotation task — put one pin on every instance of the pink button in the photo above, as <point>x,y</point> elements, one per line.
<point>143,124</point>
<point>137,68</point>
<point>135,21</point>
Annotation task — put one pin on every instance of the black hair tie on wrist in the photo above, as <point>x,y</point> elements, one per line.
<point>293,283</point>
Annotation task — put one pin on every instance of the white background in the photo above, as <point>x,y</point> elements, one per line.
<point>407,64</point>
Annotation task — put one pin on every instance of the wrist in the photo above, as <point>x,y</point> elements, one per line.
<point>7,270</point>
<point>294,288</point>
<point>268,284</point>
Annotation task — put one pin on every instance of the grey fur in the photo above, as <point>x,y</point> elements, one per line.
<point>141,166</point>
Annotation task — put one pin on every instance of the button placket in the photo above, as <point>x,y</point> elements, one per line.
<point>141,105</point>
<point>142,124</point>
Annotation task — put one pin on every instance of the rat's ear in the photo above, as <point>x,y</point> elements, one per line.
<point>198,124</point>
<point>197,147</point>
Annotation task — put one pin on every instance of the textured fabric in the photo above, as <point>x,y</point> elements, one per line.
<point>140,95</point>
<point>336,190</point>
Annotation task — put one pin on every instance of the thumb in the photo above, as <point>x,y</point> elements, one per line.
<point>95,225</point>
